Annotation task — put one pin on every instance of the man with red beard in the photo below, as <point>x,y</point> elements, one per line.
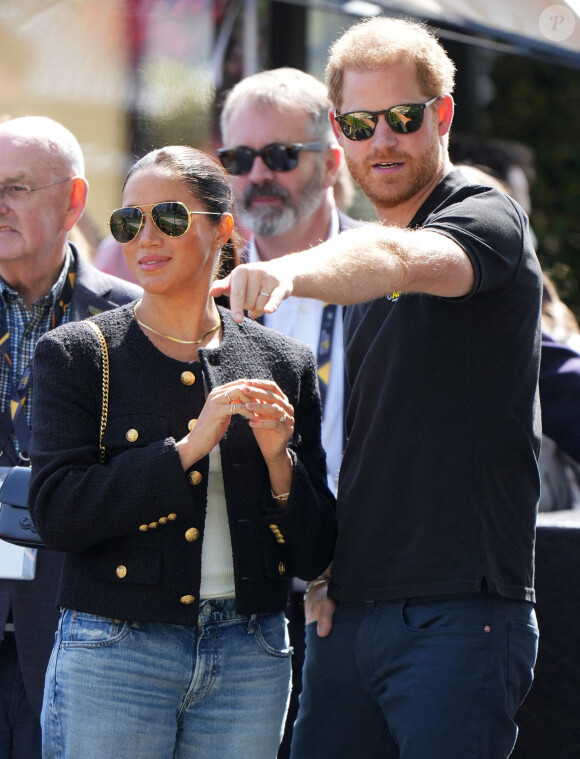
<point>423,637</point>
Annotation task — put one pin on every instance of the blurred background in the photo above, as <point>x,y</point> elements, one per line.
<point>130,75</point>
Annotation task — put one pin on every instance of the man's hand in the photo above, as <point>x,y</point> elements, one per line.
<point>319,608</point>
<point>258,288</point>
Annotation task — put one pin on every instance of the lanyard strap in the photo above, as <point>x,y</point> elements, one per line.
<point>323,356</point>
<point>14,416</point>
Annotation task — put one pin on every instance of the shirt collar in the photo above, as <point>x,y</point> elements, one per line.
<point>51,297</point>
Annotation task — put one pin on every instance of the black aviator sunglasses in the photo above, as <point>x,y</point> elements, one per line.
<point>277,156</point>
<point>170,217</point>
<point>402,119</point>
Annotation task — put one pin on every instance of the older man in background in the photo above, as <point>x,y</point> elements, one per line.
<point>285,163</point>
<point>43,282</point>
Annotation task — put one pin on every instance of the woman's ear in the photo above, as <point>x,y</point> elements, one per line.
<point>225,228</point>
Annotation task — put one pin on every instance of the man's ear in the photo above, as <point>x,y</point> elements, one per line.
<point>445,109</point>
<point>335,126</point>
<point>332,159</point>
<point>77,201</point>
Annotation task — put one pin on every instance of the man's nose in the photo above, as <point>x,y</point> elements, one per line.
<point>384,135</point>
<point>259,171</point>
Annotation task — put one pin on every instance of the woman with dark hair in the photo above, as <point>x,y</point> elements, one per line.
<point>172,639</point>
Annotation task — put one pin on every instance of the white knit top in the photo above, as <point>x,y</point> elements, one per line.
<point>217,566</point>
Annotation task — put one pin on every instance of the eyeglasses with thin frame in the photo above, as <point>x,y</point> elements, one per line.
<point>171,217</point>
<point>402,119</point>
<point>278,156</point>
<point>16,191</point>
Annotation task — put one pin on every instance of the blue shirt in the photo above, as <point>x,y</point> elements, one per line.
<point>26,326</point>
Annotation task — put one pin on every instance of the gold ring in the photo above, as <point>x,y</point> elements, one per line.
<point>228,397</point>
<point>232,409</point>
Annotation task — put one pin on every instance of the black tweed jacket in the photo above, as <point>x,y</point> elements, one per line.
<point>133,528</point>
<point>33,603</point>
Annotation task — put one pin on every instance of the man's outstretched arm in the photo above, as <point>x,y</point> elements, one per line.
<point>358,265</point>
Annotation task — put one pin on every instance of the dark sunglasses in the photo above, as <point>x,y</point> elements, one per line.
<point>170,217</point>
<point>277,156</point>
<point>403,119</point>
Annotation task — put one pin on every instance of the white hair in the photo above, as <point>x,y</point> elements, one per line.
<point>282,88</point>
<point>62,143</point>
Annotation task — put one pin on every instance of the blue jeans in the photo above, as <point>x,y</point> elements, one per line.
<point>158,691</point>
<point>423,678</point>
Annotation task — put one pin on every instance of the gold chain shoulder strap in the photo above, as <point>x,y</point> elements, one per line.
<point>105,407</point>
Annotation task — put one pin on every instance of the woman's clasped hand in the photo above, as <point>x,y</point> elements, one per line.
<point>261,402</point>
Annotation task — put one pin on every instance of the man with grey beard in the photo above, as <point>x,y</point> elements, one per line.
<point>284,161</point>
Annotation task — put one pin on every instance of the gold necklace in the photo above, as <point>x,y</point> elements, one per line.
<point>175,339</point>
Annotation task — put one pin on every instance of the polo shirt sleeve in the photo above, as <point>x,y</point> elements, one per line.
<point>492,231</point>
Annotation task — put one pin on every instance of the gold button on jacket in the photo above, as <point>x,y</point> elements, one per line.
<point>131,435</point>
<point>277,534</point>
<point>121,571</point>
<point>195,477</point>
<point>187,599</point>
<point>192,534</point>
<point>188,378</point>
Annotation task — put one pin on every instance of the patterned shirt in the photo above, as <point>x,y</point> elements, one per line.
<point>26,327</point>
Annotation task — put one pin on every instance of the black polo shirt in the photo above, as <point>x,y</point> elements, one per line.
<point>439,483</point>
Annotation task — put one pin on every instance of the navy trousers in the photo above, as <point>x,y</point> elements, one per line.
<point>20,735</point>
<point>423,678</point>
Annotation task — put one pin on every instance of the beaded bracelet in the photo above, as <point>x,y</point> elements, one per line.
<point>281,496</point>
<point>314,584</point>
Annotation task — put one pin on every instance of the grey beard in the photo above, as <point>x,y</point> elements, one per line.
<point>269,222</point>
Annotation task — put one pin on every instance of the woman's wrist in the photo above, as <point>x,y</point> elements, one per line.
<point>282,462</point>
<point>189,452</point>
<point>280,473</point>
